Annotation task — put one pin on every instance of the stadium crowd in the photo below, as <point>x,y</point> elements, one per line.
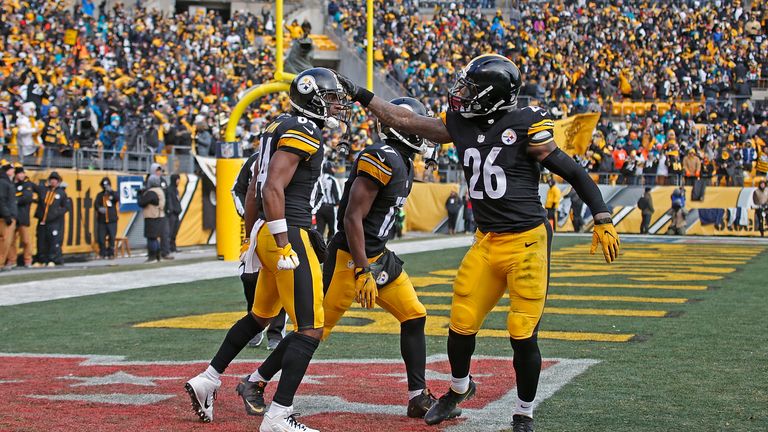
<point>120,79</point>
<point>78,78</point>
<point>585,57</point>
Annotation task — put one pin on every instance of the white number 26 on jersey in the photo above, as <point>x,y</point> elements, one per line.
<point>491,174</point>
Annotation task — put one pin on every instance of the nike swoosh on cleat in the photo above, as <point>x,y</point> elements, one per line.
<point>530,244</point>
<point>207,404</point>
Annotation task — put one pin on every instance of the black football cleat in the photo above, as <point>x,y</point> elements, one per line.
<point>521,423</point>
<point>446,405</point>
<point>253,396</point>
<point>418,406</point>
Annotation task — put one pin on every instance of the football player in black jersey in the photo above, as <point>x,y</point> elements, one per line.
<point>290,277</point>
<point>359,266</point>
<point>501,148</point>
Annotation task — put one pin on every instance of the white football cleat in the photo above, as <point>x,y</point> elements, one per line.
<point>202,392</point>
<point>283,422</point>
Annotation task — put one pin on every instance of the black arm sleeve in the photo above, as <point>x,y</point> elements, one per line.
<point>559,163</point>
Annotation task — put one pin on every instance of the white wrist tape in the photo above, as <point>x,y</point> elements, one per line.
<point>277,226</point>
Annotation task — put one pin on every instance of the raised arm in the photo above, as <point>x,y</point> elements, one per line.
<point>399,118</point>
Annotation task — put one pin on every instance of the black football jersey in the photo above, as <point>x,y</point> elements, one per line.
<point>300,136</point>
<point>393,173</point>
<point>502,180</point>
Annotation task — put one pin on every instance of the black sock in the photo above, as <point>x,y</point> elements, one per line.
<point>249,287</point>
<point>527,363</point>
<point>274,362</point>
<point>460,350</point>
<point>237,338</point>
<point>295,362</point>
<point>413,348</point>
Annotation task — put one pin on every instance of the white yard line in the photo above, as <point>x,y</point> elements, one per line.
<point>77,286</point>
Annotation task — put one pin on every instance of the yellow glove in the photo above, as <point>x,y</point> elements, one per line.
<point>288,259</point>
<point>605,234</point>
<point>244,246</point>
<point>365,288</point>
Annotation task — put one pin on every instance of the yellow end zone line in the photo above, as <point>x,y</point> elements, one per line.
<point>641,286</point>
<point>425,281</point>
<point>384,323</point>
<point>632,299</point>
<point>583,336</point>
<point>572,311</point>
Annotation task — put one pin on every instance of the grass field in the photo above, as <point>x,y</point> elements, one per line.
<point>679,332</point>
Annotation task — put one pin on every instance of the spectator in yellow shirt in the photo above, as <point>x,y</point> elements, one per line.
<point>295,30</point>
<point>554,196</point>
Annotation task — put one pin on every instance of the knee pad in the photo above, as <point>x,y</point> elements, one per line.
<point>464,320</point>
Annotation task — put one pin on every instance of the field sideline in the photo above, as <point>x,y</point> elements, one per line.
<point>671,337</point>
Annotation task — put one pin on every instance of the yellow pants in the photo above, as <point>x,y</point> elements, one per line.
<point>397,297</point>
<point>6,240</point>
<point>299,291</point>
<point>25,237</point>
<point>516,263</point>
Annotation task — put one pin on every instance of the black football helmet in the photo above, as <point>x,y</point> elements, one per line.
<point>411,141</point>
<point>489,83</point>
<point>314,91</point>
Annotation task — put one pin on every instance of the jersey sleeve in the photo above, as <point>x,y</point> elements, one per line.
<point>300,137</point>
<point>541,129</point>
<point>374,165</point>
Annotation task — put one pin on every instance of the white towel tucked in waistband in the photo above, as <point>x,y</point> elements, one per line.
<point>252,263</point>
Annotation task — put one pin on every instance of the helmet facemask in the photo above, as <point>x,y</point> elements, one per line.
<point>333,106</point>
<point>466,98</point>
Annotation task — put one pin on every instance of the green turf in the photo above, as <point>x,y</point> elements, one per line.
<point>704,370</point>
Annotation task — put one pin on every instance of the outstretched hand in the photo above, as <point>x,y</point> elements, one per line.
<point>605,235</point>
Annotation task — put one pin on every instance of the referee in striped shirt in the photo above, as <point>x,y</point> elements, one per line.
<point>328,196</point>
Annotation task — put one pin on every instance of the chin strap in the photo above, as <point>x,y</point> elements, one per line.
<point>330,121</point>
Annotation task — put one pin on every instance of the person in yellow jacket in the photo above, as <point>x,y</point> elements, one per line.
<point>554,196</point>
<point>295,30</point>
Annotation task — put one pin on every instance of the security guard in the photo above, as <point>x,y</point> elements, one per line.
<point>7,212</point>
<point>25,194</point>
<point>106,219</point>
<point>51,208</point>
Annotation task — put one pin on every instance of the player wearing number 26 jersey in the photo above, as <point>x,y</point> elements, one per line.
<point>360,267</point>
<point>500,148</point>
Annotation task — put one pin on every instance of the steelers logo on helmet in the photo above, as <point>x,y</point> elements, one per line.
<point>509,136</point>
<point>306,84</point>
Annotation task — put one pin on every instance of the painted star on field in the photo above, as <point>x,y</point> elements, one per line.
<point>119,377</point>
